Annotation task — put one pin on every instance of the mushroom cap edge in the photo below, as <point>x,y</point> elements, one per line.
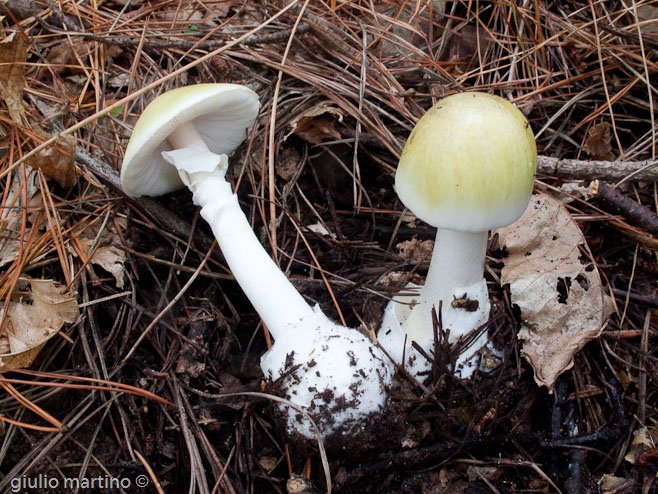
<point>222,113</point>
<point>469,163</point>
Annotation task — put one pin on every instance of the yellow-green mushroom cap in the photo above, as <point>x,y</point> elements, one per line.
<point>222,114</point>
<point>469,164</point>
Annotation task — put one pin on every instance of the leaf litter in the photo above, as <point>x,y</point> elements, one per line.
<point>34,320</point>
<point>579,72</point>
<point>556,286</point>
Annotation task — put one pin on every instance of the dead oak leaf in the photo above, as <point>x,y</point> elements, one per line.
<point>13,55</point>
<point>317,124</point>
<point>57,161</point>
<point>558,291</point>
<point>31,323</point>
<point>599,142</point>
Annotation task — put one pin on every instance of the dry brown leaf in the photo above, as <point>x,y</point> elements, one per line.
<point>317,124</point>
<point>558,291</point>
<point>609,484</point>
<point>415,249</point>
<point>66,56</point>
<point>30,325</point>
<point>57,161</point>
<point>643,439</point>
<point>12,66</point>
<point>288,162</point>
<point>109,257</point>
<point>108,253</point>
<point>11,216</point>
<point>599,142</point>
<point>112,260</point>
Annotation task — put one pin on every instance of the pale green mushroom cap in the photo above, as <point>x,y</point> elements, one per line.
<point>469,164</point>
<point>222,114</point>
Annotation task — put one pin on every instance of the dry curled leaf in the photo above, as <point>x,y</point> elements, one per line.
<point>105,252</point>
<point>111,258</point>
<point>599,142</point>
<point>57,161</point>
<point>317,124</point>
<point>32,321</point>
<point>557,289</point>
<point>12,65</point>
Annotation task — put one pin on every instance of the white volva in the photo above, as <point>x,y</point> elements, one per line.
<point>332,372</point>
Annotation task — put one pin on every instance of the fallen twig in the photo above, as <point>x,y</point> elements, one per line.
<point>637,214</point>
<point>608,171</point>
<point>166,44</point>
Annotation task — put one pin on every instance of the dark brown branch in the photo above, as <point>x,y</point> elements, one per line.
<point>208,45</point>
<point>636,213</point>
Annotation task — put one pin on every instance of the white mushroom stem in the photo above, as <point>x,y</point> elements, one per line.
<point>186,135</point>
<point>332,372</point>
<point>275,299</point>
<point>456,269</point>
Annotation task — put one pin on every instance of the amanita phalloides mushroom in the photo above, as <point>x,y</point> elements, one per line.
<point>467,167</point>
<point>183,138</point>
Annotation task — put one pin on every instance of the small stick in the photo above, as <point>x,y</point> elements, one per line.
<point>183,44</point>
<point>648,300</point>
<point>608,171</point>
<point>568,169</point>
<point>635,212</point>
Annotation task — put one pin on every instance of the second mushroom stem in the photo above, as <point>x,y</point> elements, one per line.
<point>456,269</point>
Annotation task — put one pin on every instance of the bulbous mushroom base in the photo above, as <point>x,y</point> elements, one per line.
<point>335,374</point>
<point>458,317</point>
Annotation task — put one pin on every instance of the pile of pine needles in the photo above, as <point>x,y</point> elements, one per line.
<point>148,380</point>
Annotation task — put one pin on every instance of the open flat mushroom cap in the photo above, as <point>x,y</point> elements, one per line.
<point>469,164</point>
<point>221,113</point>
